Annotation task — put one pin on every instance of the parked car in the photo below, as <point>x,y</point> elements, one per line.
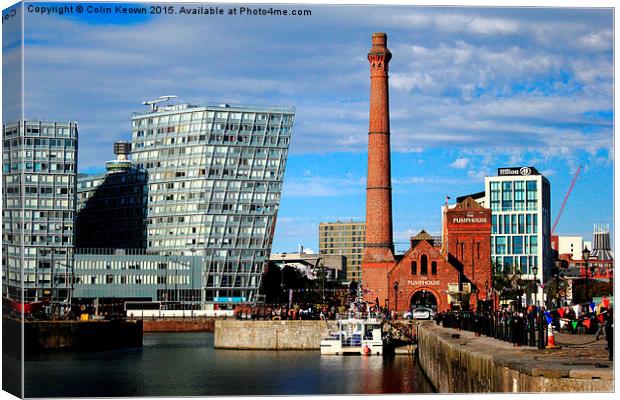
<point>421,313</point>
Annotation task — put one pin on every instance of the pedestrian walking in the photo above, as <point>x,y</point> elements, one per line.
<point>601,318</point>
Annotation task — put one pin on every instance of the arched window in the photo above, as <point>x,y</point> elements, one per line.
<point>414,267</point>
<point>424,264</point>
<point>434,267</point>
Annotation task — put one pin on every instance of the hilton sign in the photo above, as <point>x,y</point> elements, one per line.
<point>517,171</point>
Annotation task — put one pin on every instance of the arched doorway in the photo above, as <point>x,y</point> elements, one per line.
<point>423,298</point>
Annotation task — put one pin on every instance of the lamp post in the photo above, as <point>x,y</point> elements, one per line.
<point>564,288</point>
<point>396,298</point>
<point>586,255</point>
<point>486,293</point>
<point>518,285</point>
<point>535,272</point>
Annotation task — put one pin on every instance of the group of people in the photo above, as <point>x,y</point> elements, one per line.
<point>284,312</point>
<point>304,311</point>
<point>530,326</point>
<point>583,318</point>
<point>515,326</point>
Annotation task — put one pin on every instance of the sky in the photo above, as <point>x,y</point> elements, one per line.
<point>472,89</point>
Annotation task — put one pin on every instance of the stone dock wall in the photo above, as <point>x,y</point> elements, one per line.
<point>179,325</point>
<point>469,364</point>
<point>271,335</point>
<point>82,335</point>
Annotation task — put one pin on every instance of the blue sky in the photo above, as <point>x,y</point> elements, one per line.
<point>472,89</point>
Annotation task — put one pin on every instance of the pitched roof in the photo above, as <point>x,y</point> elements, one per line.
<point>468,204</point>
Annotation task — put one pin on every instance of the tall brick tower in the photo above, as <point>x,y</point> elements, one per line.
<point>379,248</point>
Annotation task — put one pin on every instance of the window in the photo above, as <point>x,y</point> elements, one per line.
<point>414,267</point>
<point>517,244</point>
<point>424,264</point>
<point>500,245</point>
<point>434,267</point>
<point>531,195</point>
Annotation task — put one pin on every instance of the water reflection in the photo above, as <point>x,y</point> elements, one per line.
<point>186,364</point>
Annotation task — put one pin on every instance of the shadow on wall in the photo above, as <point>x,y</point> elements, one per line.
<point>115,215</point>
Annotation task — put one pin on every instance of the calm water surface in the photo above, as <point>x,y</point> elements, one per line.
<point>186,364</point>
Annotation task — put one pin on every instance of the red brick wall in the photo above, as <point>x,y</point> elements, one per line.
<point>375,279</point>
<point>409,284</point>
<point>469,243</point>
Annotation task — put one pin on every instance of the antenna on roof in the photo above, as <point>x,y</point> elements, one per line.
<point>153,103</point>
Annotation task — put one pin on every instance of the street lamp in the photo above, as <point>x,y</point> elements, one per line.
<point>564,280</point>
<point>586,255</point>
<point>535,272</point>
<point>486,290</point>
<point>518,285</point>
<point>396,297</point>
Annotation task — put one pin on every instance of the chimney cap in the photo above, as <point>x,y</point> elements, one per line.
<point>379,38</point>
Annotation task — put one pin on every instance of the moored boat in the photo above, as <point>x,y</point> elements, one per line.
<point>358,334</point>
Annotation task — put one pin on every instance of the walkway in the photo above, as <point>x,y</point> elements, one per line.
<point>579,356</point>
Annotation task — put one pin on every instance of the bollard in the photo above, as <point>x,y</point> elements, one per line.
<point>551,338</point>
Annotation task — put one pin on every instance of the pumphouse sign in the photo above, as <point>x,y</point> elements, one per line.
<point>469,220</point>
<point>524,171</point>
<point>469,217</point>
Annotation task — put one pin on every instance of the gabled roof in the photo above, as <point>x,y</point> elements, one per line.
<point>423,235</point>
<point>474,196</point>
<point>468,204</point>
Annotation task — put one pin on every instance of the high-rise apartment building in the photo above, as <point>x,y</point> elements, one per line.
<point>520,201</point>
<point>346,239</point>
<point>39,164</point>
<point>214,182</point>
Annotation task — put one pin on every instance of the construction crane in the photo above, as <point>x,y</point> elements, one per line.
<point>570,189</point>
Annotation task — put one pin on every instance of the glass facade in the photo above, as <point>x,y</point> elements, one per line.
<point>214,182</point>
<point>39,164</point>
<point>136,275</point>
<point>520,230</point>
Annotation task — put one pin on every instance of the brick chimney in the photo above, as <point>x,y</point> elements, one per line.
<point>379,241</point>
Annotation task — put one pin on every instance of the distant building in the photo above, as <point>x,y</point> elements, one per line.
<point>119,275</point>
<point>312,264</point>
<point>601,249</point>
<point>520,202</point>
<point>39,164</point>
<point>345,239</point>
<point>572,245</point>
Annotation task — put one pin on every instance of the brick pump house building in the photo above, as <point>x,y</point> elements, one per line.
<point>456,272</point>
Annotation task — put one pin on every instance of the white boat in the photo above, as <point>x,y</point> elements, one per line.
<point>355,335</point>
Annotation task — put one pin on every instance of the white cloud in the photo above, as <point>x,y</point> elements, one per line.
<point>460,163</point>
<point>461,77</point>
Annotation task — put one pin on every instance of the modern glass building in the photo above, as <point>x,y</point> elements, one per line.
<point>346,239</point>
<point>214,181</point>
<point>111,208</point>
<point>39,164</point>
<point>520,202</point>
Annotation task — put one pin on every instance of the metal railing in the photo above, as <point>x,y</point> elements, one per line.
<point>529,329</point>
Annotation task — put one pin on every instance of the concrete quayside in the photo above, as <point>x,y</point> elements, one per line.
<point>460,362</point>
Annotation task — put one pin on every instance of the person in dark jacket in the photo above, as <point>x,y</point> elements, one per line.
<point>609,332</point>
